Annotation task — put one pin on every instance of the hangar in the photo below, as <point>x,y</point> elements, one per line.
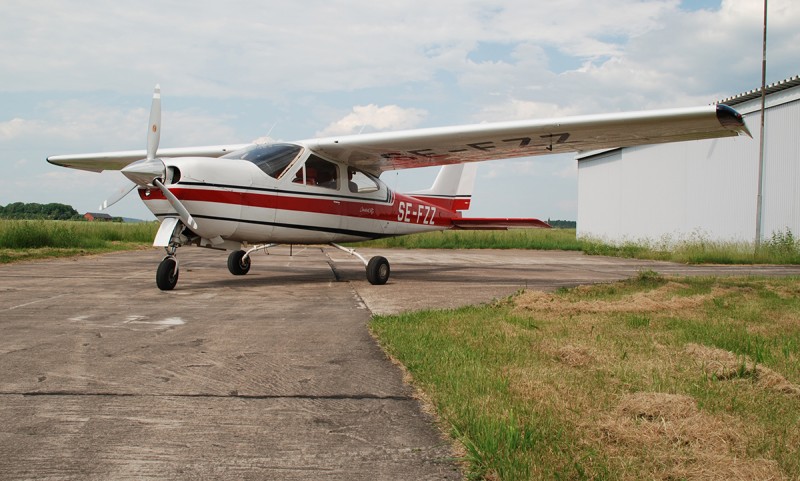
<point>699,190</point>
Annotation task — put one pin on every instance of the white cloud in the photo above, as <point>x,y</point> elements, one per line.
<point>373,118</point>
<point>515,109</point>
<point>15,128</point>
<point>113,128</point>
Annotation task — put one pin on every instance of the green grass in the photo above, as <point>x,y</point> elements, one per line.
<point>776,250</point>
<point>29,239</point>
<point>32,239</point>
<point>780,248</point>
<point>558,239</point>
<point>587,383</point>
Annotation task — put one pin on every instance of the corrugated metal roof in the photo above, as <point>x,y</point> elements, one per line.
<point>754,94</point>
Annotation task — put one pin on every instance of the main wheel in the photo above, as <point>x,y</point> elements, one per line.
<point>378,271</point>
<point>238,264</point>
<point>167,274</point>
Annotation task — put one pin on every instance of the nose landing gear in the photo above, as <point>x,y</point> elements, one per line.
<point>167,272</point>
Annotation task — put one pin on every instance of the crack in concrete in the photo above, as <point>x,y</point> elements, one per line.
<point>355,397</point>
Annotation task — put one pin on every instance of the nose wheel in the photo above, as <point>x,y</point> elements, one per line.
<point>167,273</point>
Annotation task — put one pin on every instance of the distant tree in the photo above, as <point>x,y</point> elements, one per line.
<point>52,211</point>
<point>563,224</point>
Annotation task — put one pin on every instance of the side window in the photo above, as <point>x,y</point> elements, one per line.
<point>359,182</point>
<point>318,172</point>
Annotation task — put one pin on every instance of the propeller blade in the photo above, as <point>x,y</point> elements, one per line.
<point>184,214</point>
<point>154,129</point>
<point>118,196</point>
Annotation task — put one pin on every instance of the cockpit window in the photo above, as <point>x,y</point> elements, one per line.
<point>271,158</point>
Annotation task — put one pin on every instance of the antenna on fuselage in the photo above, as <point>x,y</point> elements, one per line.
<point>266,139</point>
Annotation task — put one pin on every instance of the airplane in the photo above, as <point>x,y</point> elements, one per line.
<point>249,197</point>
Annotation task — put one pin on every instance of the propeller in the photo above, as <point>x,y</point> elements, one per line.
<point>117,196</point>
<point>154,131</point>
<point>151,171</point>
<point>184,214</point>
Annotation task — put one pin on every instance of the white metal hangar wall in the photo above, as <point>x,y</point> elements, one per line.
<point>702,189</point>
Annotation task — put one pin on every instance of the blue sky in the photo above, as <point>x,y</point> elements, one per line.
<point>77,76</point>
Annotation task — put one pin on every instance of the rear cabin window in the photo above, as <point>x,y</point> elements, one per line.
<point>360,182</point>
<point>271,158</point>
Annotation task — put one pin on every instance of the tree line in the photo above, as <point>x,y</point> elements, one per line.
<point>53,211</point>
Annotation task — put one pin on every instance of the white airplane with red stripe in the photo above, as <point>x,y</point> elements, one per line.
<point>247,197</point>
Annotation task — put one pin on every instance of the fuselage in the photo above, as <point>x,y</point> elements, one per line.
<point>295,197</point>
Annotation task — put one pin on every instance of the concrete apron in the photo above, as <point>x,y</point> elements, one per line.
<point>272,375</point>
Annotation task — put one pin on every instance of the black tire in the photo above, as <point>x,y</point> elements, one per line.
<point>238,264</point>
<point>167,274</point>
<point>378,271</point>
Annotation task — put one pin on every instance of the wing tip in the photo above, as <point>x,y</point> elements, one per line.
<point>731,119</point>
<point>54,160</point>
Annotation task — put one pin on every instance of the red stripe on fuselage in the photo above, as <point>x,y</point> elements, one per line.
<point>296,201</point>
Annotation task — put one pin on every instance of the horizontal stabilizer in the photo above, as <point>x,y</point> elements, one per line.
<point>480,223</point>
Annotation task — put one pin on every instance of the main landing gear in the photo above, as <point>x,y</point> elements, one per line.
<point>239,263</point>
<point>378,271</point>
<point>377,268</point>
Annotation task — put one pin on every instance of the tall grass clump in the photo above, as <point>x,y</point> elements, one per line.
<point>697,248</point>
<point>27,239</point>
<point>26,234</point>
<point>782,247</point>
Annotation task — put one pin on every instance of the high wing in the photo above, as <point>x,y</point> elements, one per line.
<point>380,152</point>
<point>117,160</point>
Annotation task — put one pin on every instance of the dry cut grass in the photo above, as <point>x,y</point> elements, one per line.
<point>653,378</point>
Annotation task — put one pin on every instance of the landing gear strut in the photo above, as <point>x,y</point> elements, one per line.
<point>377,267</point>
<point>239,261</point>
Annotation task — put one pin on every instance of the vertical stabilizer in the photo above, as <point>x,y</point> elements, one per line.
<point>452,188</point>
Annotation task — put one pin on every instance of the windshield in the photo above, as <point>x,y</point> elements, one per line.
<point>271,158</point>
